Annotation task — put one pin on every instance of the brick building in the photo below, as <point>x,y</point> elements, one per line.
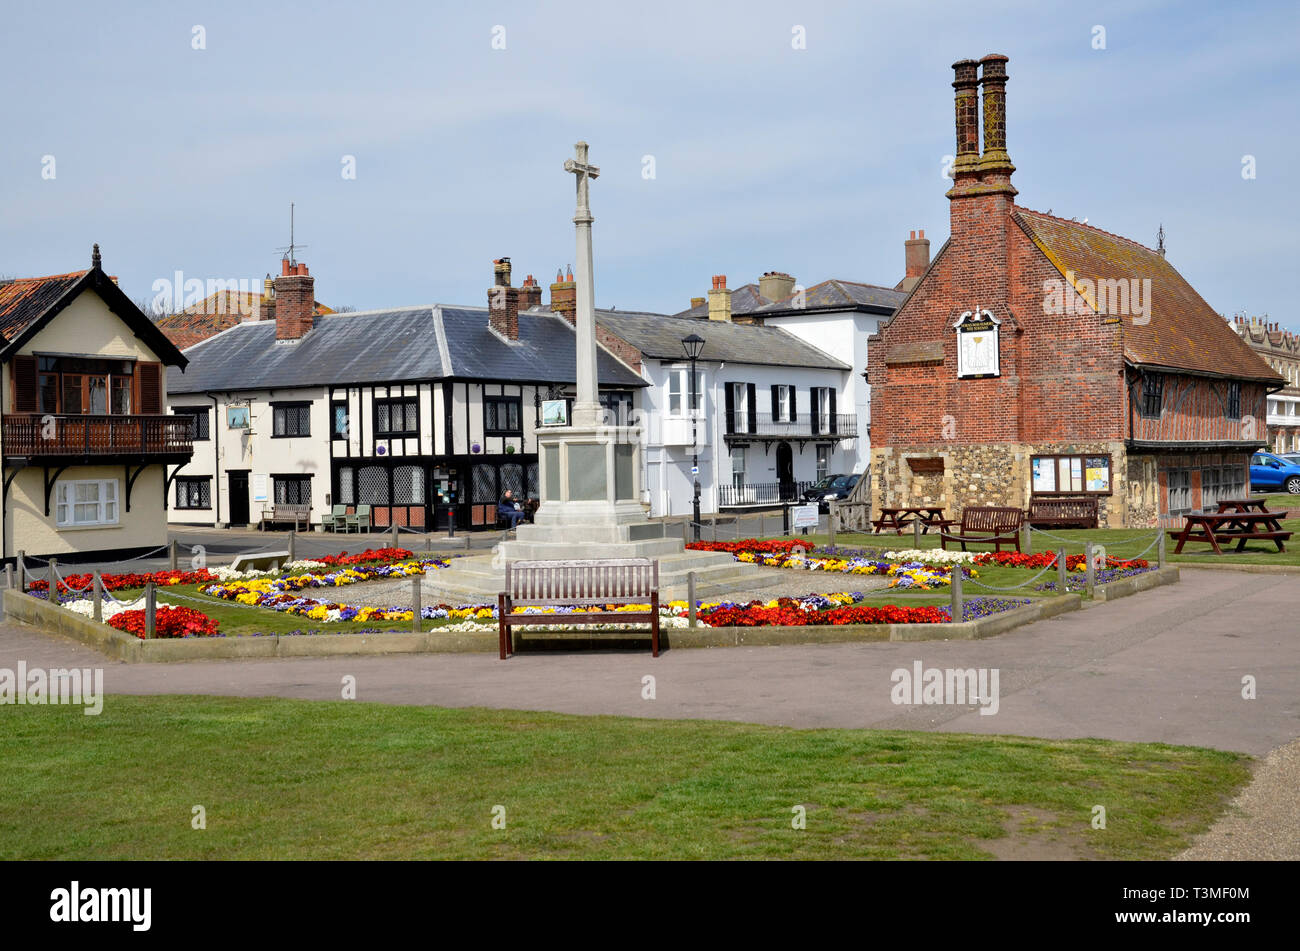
<point>1040,356</point>
<point>1280,349</point>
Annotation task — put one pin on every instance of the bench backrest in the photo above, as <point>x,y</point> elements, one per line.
<point>581,582</point>
<point>288,510</point>
<point>991,519</point>
<point>1063,508</point>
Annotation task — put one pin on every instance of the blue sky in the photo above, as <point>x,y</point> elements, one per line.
<point>816,161</point>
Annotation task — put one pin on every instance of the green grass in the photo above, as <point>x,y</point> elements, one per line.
<point>283,779</point>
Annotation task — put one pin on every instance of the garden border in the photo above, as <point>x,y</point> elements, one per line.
<point>128,649</point>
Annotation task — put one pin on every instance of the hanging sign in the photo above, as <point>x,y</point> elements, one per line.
<point>977,344</point>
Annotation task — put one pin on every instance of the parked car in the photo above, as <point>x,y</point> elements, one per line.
<point>1291,457</point>
<point>815,491</point>
<point>839,487</point>
<point>1268,471</point>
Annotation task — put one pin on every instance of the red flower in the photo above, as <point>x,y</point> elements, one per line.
<point>168,622</point>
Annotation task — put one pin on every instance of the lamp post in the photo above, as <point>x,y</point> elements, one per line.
<point>693,345</point>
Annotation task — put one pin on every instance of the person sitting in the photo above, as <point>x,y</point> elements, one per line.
<point>510,509</point>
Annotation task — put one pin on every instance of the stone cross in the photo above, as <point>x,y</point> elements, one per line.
<point>586,408</point>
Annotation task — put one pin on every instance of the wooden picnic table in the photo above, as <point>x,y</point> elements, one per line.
<point>930,516</point>
<point>1243,526</point>
<point>1242,505</point>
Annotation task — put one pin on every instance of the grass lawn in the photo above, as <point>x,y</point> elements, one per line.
<point>283,779</point>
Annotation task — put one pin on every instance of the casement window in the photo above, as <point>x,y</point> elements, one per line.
<point>201,422</point>
<point>193,493</point>
<point>823,460</point>
<point>784,408</point>
<point>502,416</point>
<point>1071,475</point>
<point>1153,385</point>
<point>823,409</point>
<point>397,417</point>
<point>1221,482</point>
<point>1234,401</point>
<point>290,419</point>
<point>339,419</point>
<point>292,489</point>
<point>679,391</point>
<point>85,386</point>
<point>86,502</point>
<point>1180,491</point>
<point>742,407</point>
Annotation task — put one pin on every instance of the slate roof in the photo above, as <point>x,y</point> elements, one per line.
<point>1183,331</point>
<point>660,336</point>
<point>217,312</point>
<point>830,295</point>
<point>412,343</point>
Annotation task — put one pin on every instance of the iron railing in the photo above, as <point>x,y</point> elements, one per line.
<point>731,495</point>
<point>39,435</point>
<point>832,426</point>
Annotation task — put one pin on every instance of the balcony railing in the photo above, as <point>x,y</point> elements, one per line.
<point>731,495</point>
<point>765,426</point>
<point>97,436</point>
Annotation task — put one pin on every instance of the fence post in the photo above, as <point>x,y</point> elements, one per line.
<point>395,545</point>
<point>690,597</point>
<point>1027,543</point>
<point>956,594</point>
<point>171,554</point>
<point>22,570</point>
<point>916,533</point>
<point>835,511</point>
<point>293,543</point>
<point>54,580</point>
<point>762,524</point>
<point>97,592</point>
<point>150,610</point>
<point>713,526</point>
<point>1062,575</point>
<point>415,604</point>
<point>1160,548</point>
<point>1090,578</point>
<point>686,531</point>
<point>785,520</point>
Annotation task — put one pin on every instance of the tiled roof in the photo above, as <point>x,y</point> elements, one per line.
<point>219,311</point>
<point>26,299</point>
<point>1182,331</point>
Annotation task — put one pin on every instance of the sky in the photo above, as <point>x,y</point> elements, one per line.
<point>732,138</point>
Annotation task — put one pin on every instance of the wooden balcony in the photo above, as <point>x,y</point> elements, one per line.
<point>88,439</point>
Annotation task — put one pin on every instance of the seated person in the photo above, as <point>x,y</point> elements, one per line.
<point>510,509</point>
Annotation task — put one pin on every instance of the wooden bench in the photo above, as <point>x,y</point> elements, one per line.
<point>282,512</point>
<point>579,583</point>
<point>1056,512</point>
<point>995,525</point>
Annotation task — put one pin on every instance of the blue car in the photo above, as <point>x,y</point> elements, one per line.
<point>1268,471</point>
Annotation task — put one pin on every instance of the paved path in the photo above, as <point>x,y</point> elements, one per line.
<point>1264,821</point>
<point>1165,666</point>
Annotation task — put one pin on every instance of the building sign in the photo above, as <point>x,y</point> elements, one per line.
<point>237,417</point>
<point>259,487</point>
<point>555,412</point>
<point>803,516</point>
<point>1055,475</point>
<point>977,344</point>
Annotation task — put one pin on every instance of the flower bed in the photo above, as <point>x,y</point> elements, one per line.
<point>130,579</point>
<point>793,555</point>
<point>168,622</point>
<point>1015,559</point>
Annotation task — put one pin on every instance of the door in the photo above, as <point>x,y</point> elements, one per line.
<point>238,498</point>
<point>785,470</point>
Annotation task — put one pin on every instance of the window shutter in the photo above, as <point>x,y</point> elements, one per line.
<point>731,408</point>
<point>794,402</point>
<point>776,402</point>
<point>150,375</point>
<point>752,405</point>
<point>834,424</point>
<point>814,412</point>
<point>25,387</point>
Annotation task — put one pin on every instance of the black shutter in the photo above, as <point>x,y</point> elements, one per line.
<point>834,423</point>
<point>731,408</point>
<point>752,401</point>
<point>776,402</point>
<point>794,402</point>
<point>813,414</point>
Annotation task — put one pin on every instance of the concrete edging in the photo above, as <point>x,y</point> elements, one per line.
<point>1143,582</point>
<point>1251,569</point>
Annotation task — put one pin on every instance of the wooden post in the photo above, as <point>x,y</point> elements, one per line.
<point>690,597</point>
<point>150,610</point>
<point>1160,548</point>
<point>956,594</point>
<point>762,524</point>
<point>415,604</point>
<point>22,570</point>
<point>395,545</point>
<point>713,526</point>
<point>1062,575</point>
<point>293,543</point>
<point>916,533</point>
<point>54,580</point>
<point>171,554</point>
<point>834,516</point>
<point>1027,542</point>
<point>97,592</point>
<point>1090,577</point>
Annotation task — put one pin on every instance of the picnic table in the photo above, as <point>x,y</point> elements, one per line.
<point>1242,505</point>
<point>1242,523</point>
<point>929,516</point>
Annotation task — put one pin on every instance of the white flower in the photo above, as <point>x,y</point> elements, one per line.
<point>86,607</point>
<point>932,556</point>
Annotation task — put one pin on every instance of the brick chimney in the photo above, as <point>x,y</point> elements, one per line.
<point>776,285</point>
<point>530,293</point>
<point>916,256</point>
<point>720,299</point>
<point>295,301</point>
<point>503,302</point>
<point>995,164</point>
<point>697,302</point>
<point>564,297</point>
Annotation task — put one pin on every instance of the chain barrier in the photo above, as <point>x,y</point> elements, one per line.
<point>63,581</point>
<point>1113,543</point>
<point>1020,587</point>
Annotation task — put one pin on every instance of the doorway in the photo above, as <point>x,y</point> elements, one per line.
<point>238,499</point>
<point>785,470</point>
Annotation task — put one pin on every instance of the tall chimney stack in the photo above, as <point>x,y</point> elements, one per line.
<point>503,301</point>
<point>966,166</point>
<point>776,285</point>
<point>530,293</point>
<point>720,299</point>
<point>564,297</point>
<point>295,301</point>
<point>916,257</point>
<point>995,164</point>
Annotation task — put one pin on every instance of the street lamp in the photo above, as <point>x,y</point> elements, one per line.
<point>693,345</point>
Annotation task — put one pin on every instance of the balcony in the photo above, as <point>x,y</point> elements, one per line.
<point>765,426</point>
<point>88,439</point>
<point>760,494</point>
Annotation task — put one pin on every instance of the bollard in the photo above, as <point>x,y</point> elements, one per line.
<point>956,594</point>
<point>1160,549</point>
<point>1090,578</point>
<point>713,526</point>
<point>97,592</point>
<point>785,520</point>
<point>171,554</point>
<point>150,610</point>
<point>834,516</point>
<point>22,570</point>
<point>762,524</point>
<point>293,543</point>
<point>53,579</point>
<point>916,533</point>
<point>690,597</point>
<point>1027,543</point>
<point>451,523</point>
<point>1062,575</point>
<point>415,604</point>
